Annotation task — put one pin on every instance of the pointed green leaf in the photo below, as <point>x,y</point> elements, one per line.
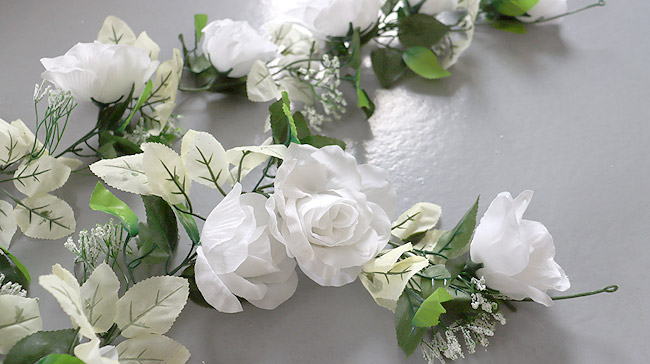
<point>301,125</point>
<point>424,62</point>
<point>144,96</point>
<point>189,224</point>
<point>355,50</point>
<point>159,237</point>
<point>421,30</point>
<point>513,7</point>
<point>320,141</point>
<point>200,21</point>
<point>19,265</point>
<point>60,359</point>
<point>388,65</point>
<point>456,241</point>
<point>105,201</point>
<point>38,345</point>
<point>408,336</point>
<point>429,312</point>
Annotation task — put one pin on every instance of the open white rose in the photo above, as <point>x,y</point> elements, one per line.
<point>330,213</point>
<point>103,72</point>
<point>332,18</point>
<point>433,7</point>
<point>545,9</point>
<point>234,46</point>
<point>517,254</point>
<point>238,257</point>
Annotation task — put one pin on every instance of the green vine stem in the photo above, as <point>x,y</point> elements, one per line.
<point>609,289</point>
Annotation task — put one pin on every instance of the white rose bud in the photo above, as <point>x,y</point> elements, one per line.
<point>545,9</point>
<point>517,254</point>
<point>234,46</point>
<point>434,7</point>
<point>103,72</point>
<point>238,257</point>
<point>330,213</point>
<point>332,18</point>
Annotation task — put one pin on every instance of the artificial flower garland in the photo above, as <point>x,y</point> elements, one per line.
<point>311,205</point>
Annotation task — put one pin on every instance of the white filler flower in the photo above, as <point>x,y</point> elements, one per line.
<point>545,9</point>
<point>330,213</point>
<point>103,72</point>
<point>233,46</point>
<point>332,18</point>
<point>238,257</point>
<point>517,254</point>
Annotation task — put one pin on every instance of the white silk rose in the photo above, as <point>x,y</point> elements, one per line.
<point>434,7</point>
<point>103,72</point>
<point>330,213</point>
<point>332,18</point>
<point>233,46</point>
<point>517,254</point>
<point>545,9</point>
<point>238,257</point>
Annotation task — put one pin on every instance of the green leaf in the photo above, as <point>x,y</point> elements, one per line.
<point>144,96</point>
<point>195,293</point>
<point>388,6</point>
<point>301,125</point>
<point>103,200</point>
<point>60,359</point>
<point>19,265</point>
<point>509,25</point>
<point>355,50</point>
<point>455,267</point>
<point>408,336</point>
<point>201,64</point>
<point>421,30</point>
<point>363,100</point>
<point>38,345</point>
<point>456,241</point>
<point>189,224</point>
<point>424,62</point>
<point>157,238</point>
<point>513,7</point>
<point>283,126</point>
<point>388,65</point>
<point>429,312</point>
<point>200,21</point>
<point>320,141</point>
<point>12,272</point>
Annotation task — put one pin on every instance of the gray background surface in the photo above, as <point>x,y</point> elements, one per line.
<point>562,110</point>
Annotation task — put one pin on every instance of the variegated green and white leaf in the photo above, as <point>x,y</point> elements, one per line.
<point>7,224</point>
<point>19,318</point>
<point>72,163</point>
<point>168,74</point>
<point>151,306</point>
<point>41,175</point>
<point>115,31</point>
<point>204,159</point>
<point>297,90</point>
<point>254,156</point>
<point>148,348</point>
<point>26,134</point>
<point>462,40</point>
<point>12,144</point>
<point>421,217</point>
<point>45,217</point>
<point>99,297</point>
<point>90,353</point>
<point>65,288</point>
<point>148,45</point>
<point>260,84</point>
<point>159,117</point>
<point>165,173</point>
<point>123,173</point>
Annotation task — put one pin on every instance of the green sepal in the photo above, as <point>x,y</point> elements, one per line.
<point>200,21</point>
<point>430,310</point>
<point>14,270</point>
<point>355,50</point>
<point>363,100</point>
<point>456,241</point>
<point>408,336</point>
<point>189,224</point>
<point>388,65</point>
<point>388,6</point>
<point>513,7</point>
<point>60,359</point>
<point>424,62</point>
<point>144,96</point>
<point>105,201</point>
<point>421,30</point>
<point>158,238</point>
<point>112,146</point>
<point>110,115</point>
<point>320,141</point>
<point>195,293</point>
<point>40,344</point>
